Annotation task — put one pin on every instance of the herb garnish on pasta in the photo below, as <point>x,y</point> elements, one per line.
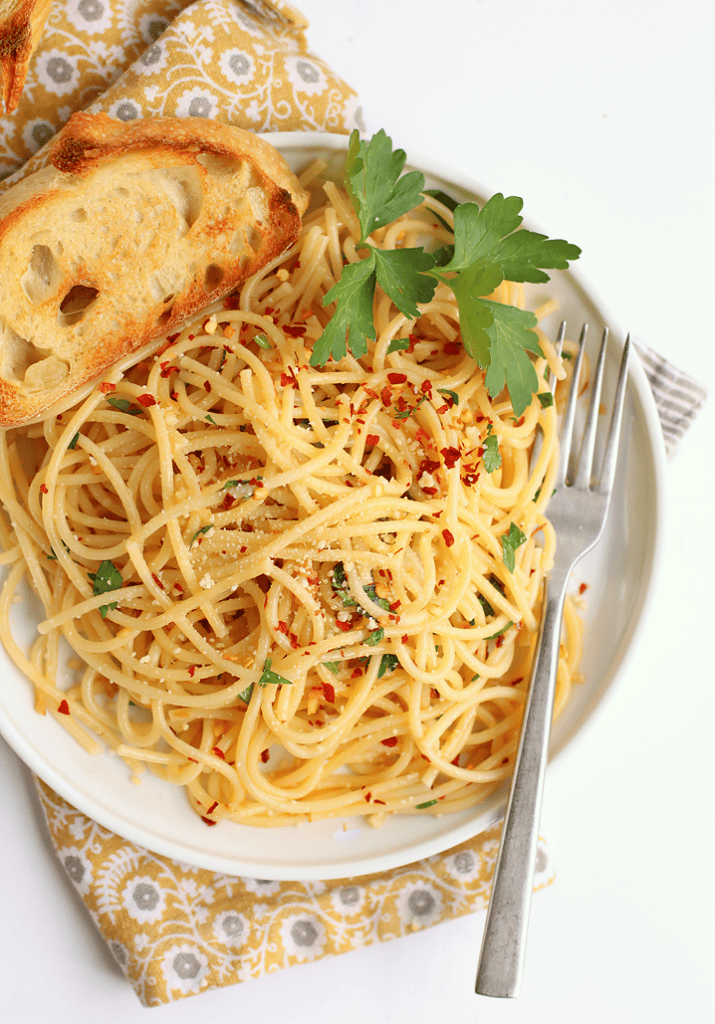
<point>488,249</point>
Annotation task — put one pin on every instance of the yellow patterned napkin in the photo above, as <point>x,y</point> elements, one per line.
<point>176,930</point>
<point>245,62</point>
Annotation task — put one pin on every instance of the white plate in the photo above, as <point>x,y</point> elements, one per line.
<point>620,576</point>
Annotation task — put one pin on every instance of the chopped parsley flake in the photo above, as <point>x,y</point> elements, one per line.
<point>270,678</point>
<point>106,578</point>
<point>510,542</point>
<point>388,663</point>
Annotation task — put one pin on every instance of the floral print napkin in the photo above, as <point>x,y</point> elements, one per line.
<point>176,930</point>
<point>245,62</point>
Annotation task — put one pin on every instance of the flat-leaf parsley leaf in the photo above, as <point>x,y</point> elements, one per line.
<point>489,247</point>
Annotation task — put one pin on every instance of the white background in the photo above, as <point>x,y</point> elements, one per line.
<point>601,117</point>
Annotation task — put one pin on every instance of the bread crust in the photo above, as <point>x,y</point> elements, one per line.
<point>130,229</point>
<point>20,31</point>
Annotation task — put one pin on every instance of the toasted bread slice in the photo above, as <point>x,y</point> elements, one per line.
<point>21,25</point>
<point>129,230</point>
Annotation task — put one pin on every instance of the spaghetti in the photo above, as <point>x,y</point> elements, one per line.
<point>297,592</point>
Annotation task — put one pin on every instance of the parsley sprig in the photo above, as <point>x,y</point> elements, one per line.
<point>489,247</point>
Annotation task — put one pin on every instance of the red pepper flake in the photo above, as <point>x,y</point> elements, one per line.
<point>177,586</point>
<point>405,639</point>
<point>397,378</point>
<point>329,692</point>
<point>146,400</point>
<point>413,341</point>
<point>157,581</point>
<point>105,387</point>
<point>450,456</point>
<point>372,439</point>
<point>293,330</point>
<point>265,755</point>
<point>455,761</point>
<point>282,627</point>
<point>448,537</point>
<point>368,797</point>
<point>452,348</point>
<point>426,387</point>
<point>207,821</point>
<point>293,640</point>
<point>386,395</point>
<point>64,708</point>
<point>192,669</point>
<point>583,588</point>
<point>207,386</point>
<point>376,801</point>
<point>217,753</point>
<point>428,466</point>
<point>228,502</point>
<point>166,368</point>
<point>391,741</point>
<point>344,626</point>
<point>43,488</point>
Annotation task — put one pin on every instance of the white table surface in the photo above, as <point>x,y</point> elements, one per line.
<point>600,116</point>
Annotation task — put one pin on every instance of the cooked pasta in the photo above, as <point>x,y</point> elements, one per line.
<point>290,589</point>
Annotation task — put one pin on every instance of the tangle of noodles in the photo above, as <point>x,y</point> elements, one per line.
<point>285,586</point>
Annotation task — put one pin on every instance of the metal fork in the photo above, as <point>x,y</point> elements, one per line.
<point>578,512</point>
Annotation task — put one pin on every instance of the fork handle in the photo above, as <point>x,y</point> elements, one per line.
<point>503,946</point>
